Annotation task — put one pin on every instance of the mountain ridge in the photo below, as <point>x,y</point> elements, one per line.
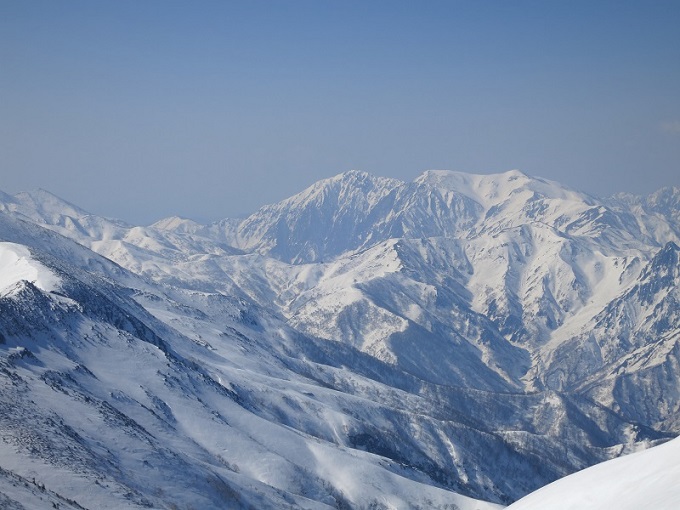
<point>447,331</point>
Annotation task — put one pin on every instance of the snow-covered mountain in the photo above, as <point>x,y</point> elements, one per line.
<point>367,343</point>
<point>140,396</point>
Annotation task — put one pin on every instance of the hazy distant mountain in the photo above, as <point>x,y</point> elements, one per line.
<point>367,343</point>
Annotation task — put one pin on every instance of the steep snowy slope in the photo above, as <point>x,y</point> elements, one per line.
<point>628,356</point>
<point>80,357</point>
<point>328,216</point>
<point>482,334</point>
<point>663,205</point>
<point>647,479</point>
<point>106,406</point>
<point>17,265</point>
<point>536,253</point>
<point>354,210</point>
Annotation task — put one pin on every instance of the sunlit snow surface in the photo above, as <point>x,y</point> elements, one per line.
<point>644,480</point>
<point>16,264</point>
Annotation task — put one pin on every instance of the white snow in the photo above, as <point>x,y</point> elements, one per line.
<point>17,264</point>
<point>284,306</point>
<point>648,479</point>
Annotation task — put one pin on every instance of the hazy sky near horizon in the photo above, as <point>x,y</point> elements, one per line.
<point>144,109</point>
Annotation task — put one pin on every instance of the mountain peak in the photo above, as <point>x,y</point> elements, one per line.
<point>667,256</point>
<point>488,189</point>
<point>353,183</point>
<point>665,199</point>
<point>353,175</point>
<point>453,178</point>
<point>176,224</point>
<point>48,203</point>
<point>359,179</point>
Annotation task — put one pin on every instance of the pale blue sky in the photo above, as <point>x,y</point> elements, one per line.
<point>144,109</point>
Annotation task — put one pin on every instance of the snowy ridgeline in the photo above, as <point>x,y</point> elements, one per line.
<point>367,343</point>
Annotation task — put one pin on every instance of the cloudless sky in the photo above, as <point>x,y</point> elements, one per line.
<point>144,109</point>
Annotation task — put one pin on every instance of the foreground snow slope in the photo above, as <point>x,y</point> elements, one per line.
<point>647,479</point>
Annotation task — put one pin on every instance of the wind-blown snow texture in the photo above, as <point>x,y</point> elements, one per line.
<point>367,343</point>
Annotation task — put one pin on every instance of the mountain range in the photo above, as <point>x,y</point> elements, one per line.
<point>453,342</point>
